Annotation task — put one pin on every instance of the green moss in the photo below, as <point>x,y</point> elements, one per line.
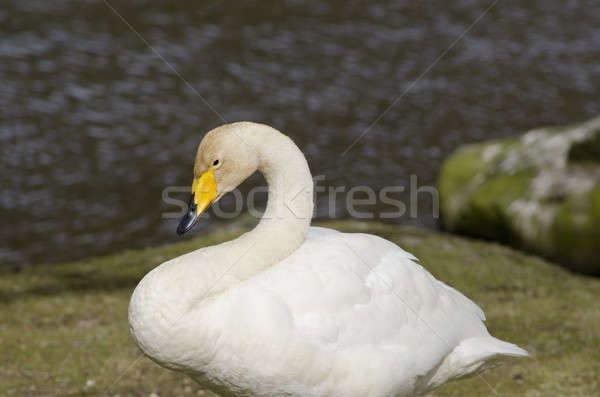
<point>66,325</point>
<point>586,151</point>
<point>456,174</point>
<point>576,231</point>
<point>461,175</point>
<point>459,169</point>
<point>478,185</point>
<point>485,213</point>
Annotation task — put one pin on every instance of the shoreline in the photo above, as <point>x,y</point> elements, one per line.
<point>66,324</point>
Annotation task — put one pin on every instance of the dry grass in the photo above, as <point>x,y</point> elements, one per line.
<point>63,328</point>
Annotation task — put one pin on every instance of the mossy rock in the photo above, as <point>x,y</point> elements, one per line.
<point>588,150</point>
<point>576,228</point>
<point>539,192</point>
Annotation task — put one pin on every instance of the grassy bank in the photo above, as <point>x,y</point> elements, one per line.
<point>63,328</point>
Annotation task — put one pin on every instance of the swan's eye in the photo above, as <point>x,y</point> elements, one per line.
<point>216,163</point>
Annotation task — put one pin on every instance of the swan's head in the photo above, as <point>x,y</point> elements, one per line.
<point>223,161</point>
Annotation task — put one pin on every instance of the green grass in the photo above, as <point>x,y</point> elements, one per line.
<point>63,328</point>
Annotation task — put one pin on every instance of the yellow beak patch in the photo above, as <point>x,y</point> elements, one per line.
<point>204,190</point>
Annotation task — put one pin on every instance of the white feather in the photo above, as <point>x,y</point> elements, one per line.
<point>340,315</point>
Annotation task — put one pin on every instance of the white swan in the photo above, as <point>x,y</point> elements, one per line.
<point>292,310</point>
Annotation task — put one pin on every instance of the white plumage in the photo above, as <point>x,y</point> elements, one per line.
<point>288,310</point>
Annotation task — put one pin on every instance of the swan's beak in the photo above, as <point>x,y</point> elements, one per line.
<point>204,191</point>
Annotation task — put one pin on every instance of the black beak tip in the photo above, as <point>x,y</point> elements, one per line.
<point>187,223</point>
<point>189,219</point>
<point>181,230</point>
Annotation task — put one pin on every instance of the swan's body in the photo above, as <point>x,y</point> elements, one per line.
<point>293,310</point>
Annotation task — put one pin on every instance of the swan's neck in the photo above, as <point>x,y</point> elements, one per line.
<point>285,222</point>
<point>162,306</point>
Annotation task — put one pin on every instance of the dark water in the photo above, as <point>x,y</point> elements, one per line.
<point>94,125</point>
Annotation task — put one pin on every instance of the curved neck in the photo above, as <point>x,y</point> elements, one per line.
<point>284,224</point>
<point>175,288</point>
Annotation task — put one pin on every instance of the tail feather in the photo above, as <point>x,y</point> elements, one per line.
<point>474,355</point>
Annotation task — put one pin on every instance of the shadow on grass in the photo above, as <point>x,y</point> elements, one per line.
<point>72,283</point>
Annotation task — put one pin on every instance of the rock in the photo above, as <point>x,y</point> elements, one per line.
<point>539,191</point>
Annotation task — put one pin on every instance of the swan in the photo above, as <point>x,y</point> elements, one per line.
<point>287,309</point>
